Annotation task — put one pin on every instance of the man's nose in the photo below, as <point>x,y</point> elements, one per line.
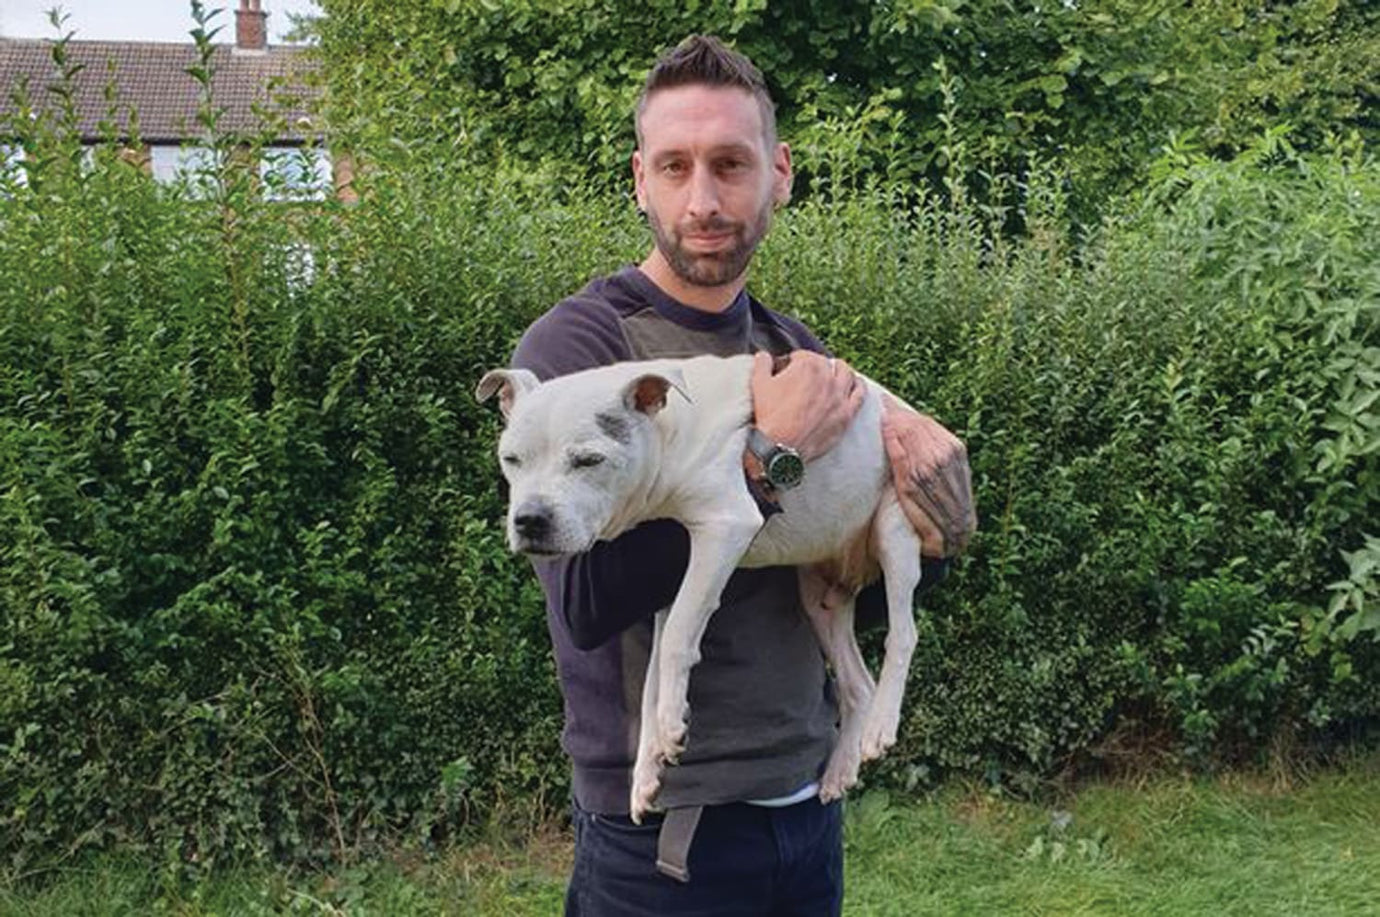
<point>704,194</point>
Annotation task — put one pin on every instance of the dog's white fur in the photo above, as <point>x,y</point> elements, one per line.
<point>590,455</point>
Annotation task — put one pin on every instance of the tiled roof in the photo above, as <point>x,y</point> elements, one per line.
<point>152,78</point>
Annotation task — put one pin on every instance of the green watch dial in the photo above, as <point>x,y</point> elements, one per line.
<point>785,469</point>
<point>782,466</point>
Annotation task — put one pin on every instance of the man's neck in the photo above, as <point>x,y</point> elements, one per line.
<point>706,299</point>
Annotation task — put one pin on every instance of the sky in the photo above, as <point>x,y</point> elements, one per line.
<point>147,20</point>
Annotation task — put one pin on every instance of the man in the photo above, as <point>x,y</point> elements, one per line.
<point>744,831</point>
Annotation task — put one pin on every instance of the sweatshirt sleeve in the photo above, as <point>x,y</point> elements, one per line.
<point>598,594</point>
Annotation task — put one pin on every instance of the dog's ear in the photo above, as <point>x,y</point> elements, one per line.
<point>647,392</point>
<point>509,383</point>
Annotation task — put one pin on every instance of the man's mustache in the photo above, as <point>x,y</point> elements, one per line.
<point>713,225</point>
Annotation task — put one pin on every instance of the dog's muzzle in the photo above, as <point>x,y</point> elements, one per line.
<point>532,527</point>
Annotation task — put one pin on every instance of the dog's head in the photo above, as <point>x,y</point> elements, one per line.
<point>575,450</point>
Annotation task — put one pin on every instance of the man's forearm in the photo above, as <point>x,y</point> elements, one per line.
<point>615,584</point>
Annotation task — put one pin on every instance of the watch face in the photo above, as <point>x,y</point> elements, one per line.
<point>785,469</point>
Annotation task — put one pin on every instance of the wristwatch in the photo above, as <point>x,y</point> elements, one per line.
<point>782,467</point>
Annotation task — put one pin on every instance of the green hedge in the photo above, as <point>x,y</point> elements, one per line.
<point>1174,431</point>
<point>254,599</point>
<point>863,87</point>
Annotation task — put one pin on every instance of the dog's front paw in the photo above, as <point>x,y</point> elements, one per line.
<point>644,790</point>
<point>879,734</point>
<point>646,783</point>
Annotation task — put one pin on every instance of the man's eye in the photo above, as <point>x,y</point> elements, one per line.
<point>586,460</point>
<point>674,168</point>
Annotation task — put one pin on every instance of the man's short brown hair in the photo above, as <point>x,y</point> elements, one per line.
<point>703,60</point>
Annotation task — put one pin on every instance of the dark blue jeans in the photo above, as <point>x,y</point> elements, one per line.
<point>745,860</point>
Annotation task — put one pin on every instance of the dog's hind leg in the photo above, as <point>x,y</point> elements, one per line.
<point>831,613</point>
<point>856,693</point>
<point>646,777</point>
<point>898,551</point>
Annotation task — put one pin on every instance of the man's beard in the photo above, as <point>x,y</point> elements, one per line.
<point>711,269</point>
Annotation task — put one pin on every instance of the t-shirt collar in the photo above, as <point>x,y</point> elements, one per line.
<point>679,312</point>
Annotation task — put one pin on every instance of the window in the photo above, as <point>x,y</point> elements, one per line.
<point>287,173</point>
<point>295,173</point>
<point>193,166</point>
<point>12,171</point>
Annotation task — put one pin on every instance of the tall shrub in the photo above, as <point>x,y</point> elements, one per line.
<point>1173,429</point>
<point>251,596</point>
<point>1098,84</point>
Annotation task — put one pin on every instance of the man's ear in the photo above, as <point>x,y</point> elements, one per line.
<point>639,180</point>
<point>647,392</point>
<point>782,177</point>
<point>509,383</point>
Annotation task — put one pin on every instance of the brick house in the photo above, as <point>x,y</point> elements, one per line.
<point>156,99</point>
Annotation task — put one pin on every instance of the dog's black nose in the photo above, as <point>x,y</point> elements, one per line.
<point>532,525</point>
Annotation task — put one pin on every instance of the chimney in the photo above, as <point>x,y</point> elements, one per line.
<point>251,26</point>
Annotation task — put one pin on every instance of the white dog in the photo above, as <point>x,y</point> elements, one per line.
<point>590,455</point>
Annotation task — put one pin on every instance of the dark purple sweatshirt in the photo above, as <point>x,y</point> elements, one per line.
<point>762,711</point>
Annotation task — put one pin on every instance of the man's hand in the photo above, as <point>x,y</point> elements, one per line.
<point>930,468</point>
<point>809,404</point>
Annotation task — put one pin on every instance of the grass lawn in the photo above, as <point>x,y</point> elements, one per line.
<point>1238,844</point>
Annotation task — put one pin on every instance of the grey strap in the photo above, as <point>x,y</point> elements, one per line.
<point>673,843</point>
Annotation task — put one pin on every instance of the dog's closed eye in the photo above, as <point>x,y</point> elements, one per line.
<point>586,460</point>
<point>512,461</point>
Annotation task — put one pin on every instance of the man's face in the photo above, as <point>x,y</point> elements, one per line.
<point>708,180</point>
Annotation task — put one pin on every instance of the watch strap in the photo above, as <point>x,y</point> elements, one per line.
<point>760,445</point>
